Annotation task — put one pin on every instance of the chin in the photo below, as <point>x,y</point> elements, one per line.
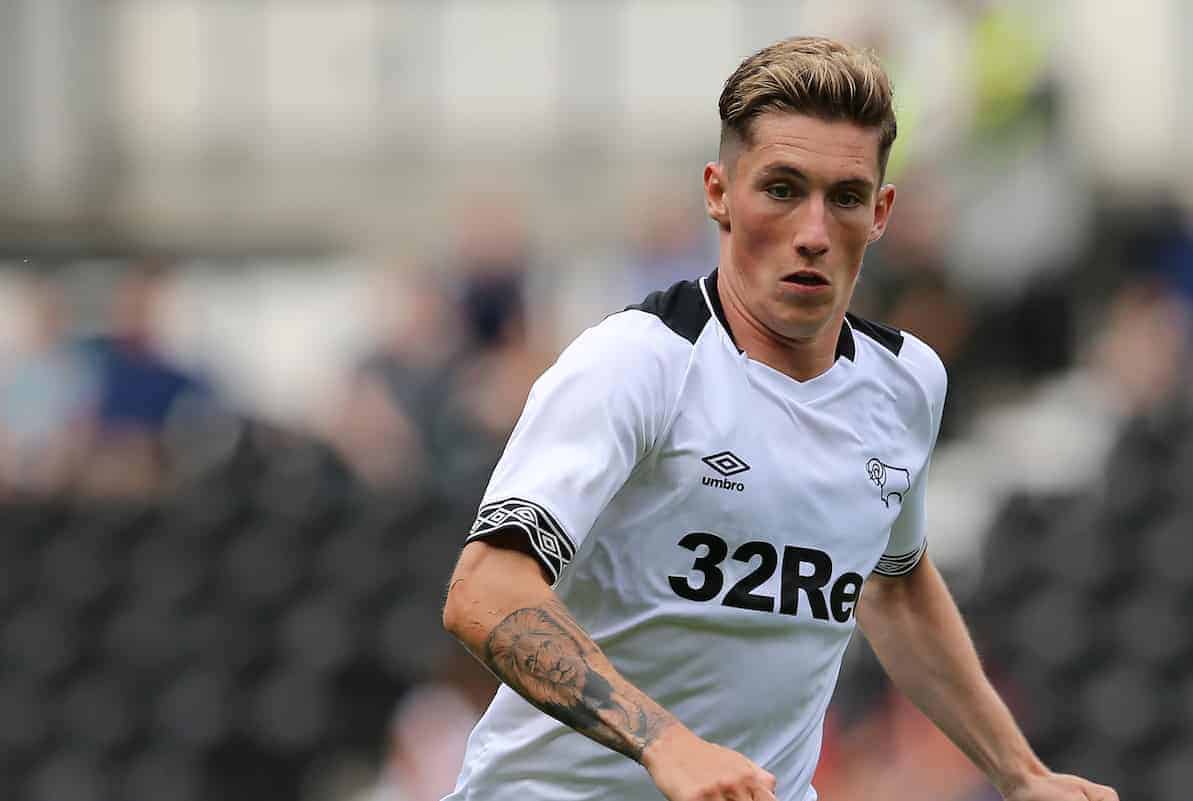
<point>800,331</point>
<point>804,326</point>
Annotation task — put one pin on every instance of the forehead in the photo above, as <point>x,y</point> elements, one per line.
<point>831,148</point>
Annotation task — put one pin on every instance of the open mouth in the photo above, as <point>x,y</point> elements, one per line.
<point>806,278</point>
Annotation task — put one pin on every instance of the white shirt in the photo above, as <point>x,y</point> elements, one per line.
<point>709,521</point>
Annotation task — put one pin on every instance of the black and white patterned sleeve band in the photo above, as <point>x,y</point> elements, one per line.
<point>901,564</point>
<point>552,546</point>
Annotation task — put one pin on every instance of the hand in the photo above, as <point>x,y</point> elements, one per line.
<point>687,768</point>
<point>1060,787</point>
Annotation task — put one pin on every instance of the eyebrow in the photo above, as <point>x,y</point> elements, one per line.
<point>853,182</point>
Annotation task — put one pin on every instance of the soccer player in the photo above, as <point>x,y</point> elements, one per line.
<point>706,490</point>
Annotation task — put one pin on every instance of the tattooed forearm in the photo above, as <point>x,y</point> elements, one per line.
<point>543,654</point>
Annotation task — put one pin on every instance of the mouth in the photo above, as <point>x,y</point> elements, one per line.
<point>806,278</point>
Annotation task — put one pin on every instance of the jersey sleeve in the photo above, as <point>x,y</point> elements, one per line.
<point>589,419</point>
<point>908,540</point>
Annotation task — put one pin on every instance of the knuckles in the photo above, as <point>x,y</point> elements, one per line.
<point>726,787</point>
<point>716,775</point>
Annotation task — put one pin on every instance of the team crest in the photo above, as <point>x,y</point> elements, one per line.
<point>892,482</point>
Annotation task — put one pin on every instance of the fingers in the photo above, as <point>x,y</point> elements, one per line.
<point>1092,791</point>
<point>1099,792</point>
<point>764,789</point>
<point>759,787</point>
<point>753,791</point>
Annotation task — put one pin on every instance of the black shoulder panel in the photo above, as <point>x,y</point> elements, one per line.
<point>681,308</point>
<point>889,338</point>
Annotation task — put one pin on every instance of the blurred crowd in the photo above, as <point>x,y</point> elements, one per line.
<point>232,488</point>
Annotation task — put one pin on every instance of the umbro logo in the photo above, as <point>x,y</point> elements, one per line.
<point>727,464</point>
<point>892,482</point>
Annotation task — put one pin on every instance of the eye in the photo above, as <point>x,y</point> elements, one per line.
<point>780,191</point>
<point>848,200</point>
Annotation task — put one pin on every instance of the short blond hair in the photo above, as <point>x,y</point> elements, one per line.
<point>810,75</point>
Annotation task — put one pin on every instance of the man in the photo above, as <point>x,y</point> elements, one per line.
<point>671,552</point>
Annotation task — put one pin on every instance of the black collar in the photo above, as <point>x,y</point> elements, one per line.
<point>845,345</point>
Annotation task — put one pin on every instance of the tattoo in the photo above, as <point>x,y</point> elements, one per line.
<point>543,654</point>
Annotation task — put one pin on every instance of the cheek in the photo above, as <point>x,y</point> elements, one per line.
<point>757,231</point>
<point>853,233</point>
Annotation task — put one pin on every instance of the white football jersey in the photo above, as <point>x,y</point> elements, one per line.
<point>709,521</point>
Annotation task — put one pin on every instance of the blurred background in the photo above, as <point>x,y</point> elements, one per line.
<point>276,275</point>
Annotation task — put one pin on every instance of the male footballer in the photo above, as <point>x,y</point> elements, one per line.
<point>708,489</point>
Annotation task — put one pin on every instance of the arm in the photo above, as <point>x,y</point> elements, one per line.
<point>501,608</point>
<point>919,637</point>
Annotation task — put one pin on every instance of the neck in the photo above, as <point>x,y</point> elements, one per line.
<point>800,358</point>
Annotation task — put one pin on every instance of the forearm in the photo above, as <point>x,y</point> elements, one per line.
<point>511,621</point>
<point>919,637</point>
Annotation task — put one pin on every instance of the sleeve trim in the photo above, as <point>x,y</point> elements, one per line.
<point>900,564</point>
<point>550,542</point>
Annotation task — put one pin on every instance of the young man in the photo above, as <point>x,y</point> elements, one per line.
<point>671,554</point>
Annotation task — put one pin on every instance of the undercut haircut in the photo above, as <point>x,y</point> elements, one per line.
<point>810,75</point>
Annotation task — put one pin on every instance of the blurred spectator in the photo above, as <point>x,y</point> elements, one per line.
<point>385,415</point>
<point>1163,243</point>
<point>140,390</point>
<point>668,238</point>
<point>426,744</point>
<point>669,243</point>
<point>46,397</point>
<point>1142,356</point>
<point>431,404</point>
<point>504,351</point>
<point>910,283</point>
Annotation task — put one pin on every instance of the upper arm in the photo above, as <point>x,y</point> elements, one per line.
<point>589,420</point>
<point>908,537</point>
<point>884,598</point>
<point>879,587</point>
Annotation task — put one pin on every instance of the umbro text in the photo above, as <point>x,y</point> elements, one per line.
<point>723,483</point>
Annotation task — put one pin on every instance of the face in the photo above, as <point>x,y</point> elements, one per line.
<point>797,208</point>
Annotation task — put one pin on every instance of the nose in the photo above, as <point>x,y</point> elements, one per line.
<point>811,228</point>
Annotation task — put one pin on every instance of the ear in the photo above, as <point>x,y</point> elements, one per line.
<point>882,211</point>
<point>716,193</point>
